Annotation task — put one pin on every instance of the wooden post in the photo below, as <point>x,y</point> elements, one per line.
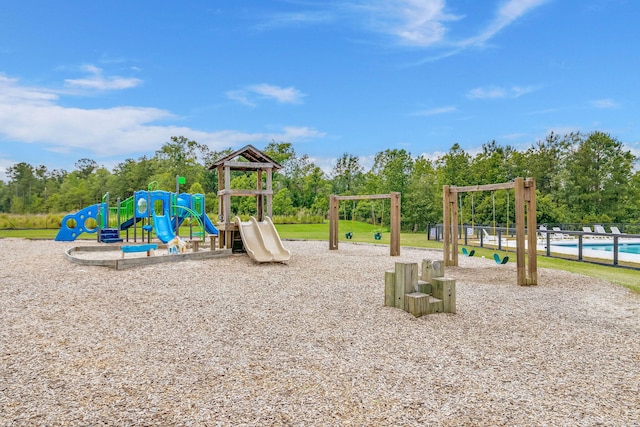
<point>395,225</point>
<point>334,217</point>
<point>450,226</point>
<point>406,280</point>
<point>259,197</point>
<point>228,234</point>
<point>270,194</point>
<point>532,226</point>
<point>220,187</point>
<point>446,232</point>
<point>453,202</point>
<point>520,251</point>
<point>390,288</point>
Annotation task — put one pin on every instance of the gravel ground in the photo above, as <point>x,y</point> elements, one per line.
<point>310,343</point>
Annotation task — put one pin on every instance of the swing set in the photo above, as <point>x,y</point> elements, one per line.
<point>470,231</point>
<point>377,234</point>
<point>334,217</point>
<point>525,213</point>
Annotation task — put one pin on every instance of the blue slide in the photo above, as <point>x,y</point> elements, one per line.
<point>163,226</point>
<point>208,225</point>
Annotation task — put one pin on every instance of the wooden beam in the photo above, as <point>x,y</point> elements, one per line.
<point>364,197</point>
<point>245,192</point>
<point>486,187</point>
<point>247,165</point>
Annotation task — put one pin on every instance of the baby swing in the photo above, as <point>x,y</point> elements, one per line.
<point>349,234</point>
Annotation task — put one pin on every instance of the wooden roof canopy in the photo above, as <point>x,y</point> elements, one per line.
<point>255,160</point>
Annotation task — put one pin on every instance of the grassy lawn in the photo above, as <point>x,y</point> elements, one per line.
<point>364,233</point>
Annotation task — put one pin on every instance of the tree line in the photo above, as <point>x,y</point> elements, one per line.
<point>581,178</point>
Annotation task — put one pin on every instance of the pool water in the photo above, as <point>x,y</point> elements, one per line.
<point>627,248</point>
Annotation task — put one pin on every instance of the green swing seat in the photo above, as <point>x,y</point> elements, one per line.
<point>500,261</point>
<point>465,252</point>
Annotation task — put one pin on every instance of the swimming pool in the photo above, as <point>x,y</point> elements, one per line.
<point>627,248</point>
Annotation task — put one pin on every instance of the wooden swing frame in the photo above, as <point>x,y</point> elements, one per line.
<point>525,211</point>
<point>334,217</point>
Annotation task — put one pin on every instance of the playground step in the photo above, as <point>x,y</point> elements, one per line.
<point>109,235</point>
<point>424,287</point>
<point>111,240</point>
<point>419,304</point>
<point>435,305</point>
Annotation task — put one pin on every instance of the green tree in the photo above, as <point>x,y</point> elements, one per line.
<point>23,186</point>
<point>315,190</point>
<point>180,157</point>
<point>422,200</point>
<point>598,174</point>
<point>283,203</point>
<point>394,167</point>
<point>453,168</point>
<point>347,175</point>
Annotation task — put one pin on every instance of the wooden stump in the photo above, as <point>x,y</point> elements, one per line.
<point>445,289</point>
<point>406,280</point>
<point>431,269</point>
<point>390,288</point>
<point>417,303</point>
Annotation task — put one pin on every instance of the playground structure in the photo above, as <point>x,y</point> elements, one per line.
<point>257,237</point>
<point>525,213</point>
<point>420,293</point>
<point>334,218</point>
<point>147,212</point>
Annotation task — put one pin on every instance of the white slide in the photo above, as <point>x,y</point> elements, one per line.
<point>261,240</point>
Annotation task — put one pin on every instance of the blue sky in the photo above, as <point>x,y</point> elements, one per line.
<point>111,80</point>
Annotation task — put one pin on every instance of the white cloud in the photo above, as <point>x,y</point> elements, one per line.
<point>422,21</point>
<point>436,111</point>
<point>413,22</point>
<point>296,19</point>
<point>604,103</point>
<point>33,115</point>
<point>506,14</point>
<point>249,95</point>
<point>494,92</point>
<point>285,95</point>
<point>96,80</point>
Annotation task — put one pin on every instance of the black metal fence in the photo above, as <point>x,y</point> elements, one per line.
<point>557,243</point>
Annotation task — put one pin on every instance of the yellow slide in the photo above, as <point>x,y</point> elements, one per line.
<point>261,240</point>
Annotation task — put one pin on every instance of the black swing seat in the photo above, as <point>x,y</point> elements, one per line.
<point>468,253</point>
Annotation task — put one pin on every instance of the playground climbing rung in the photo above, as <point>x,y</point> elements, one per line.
<point>139,248</point>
